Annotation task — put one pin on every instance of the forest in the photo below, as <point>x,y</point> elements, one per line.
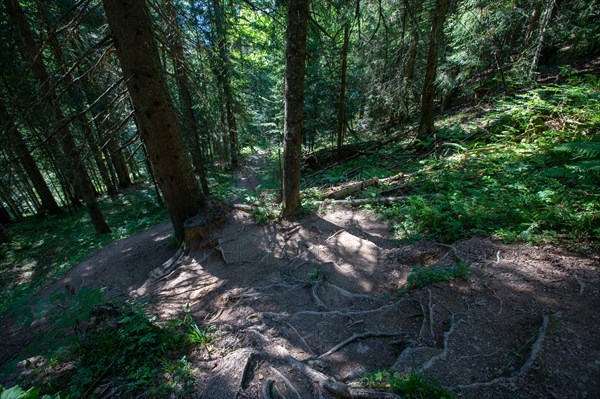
<point>299,199</point>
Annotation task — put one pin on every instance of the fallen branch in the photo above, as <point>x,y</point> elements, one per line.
<point>355,337</point>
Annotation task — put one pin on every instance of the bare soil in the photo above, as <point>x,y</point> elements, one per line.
<point>303,309</point>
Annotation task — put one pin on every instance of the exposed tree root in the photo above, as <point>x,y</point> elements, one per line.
<point>335,234</point>
<point>497,297</point>
<point>431,316</point>
<point>287,382</point>
<point>355,337</point>
<point>347,313</point>
<point>453,251</point>
<point>222,251</point>
<point>535,349</point>
<point>168,267</point>
<point>428,364</point>
<point>267,389</point>
<point>325,382</point>
<point>315,287</point>
<point>302,339</point>
<point>348,294</point>
<point>424,322</point>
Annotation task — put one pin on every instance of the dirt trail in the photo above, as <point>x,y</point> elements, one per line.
<point>304,308</point>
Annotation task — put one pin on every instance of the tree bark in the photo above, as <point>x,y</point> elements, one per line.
<point>4,215</point>
<point>6,196</point>
<point>131,27</point>
<point>28,162</point>
<point>342,101</point>
<point>4,236</point>
<point>119,163</point>
<point>33,56</point>
<point>549,6</point>
<point>426,127</point>
<point>224,77</point>
<point>190,127</point>
<point>409,93</point>
<point>27,190</point>
<point>295,58</point>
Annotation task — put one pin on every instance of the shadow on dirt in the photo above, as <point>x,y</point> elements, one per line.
<point>304,309</point>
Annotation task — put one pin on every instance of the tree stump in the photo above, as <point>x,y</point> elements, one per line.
<point>197,229</point>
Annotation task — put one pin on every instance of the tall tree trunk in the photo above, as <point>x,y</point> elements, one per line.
<point>426,128</point>
<point>27,190</point>
<point>342,101</point>
<point>33,55</point>
<point>131,26</point>
<point>28,162</point>
<point>545,20</point>
<point>295,58</point>
<point>4,236</point>
<point>6,196</point>
<point>190,127</point>
<point>4,215</point>
<point>409,93</point>
<point>97,157</point>
<point>224,77</point>
<point>119,163</point>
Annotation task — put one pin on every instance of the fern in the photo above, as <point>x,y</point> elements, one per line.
<point>582,149</point>
<point>584,160</point>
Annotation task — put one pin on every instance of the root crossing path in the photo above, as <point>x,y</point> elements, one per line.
<point>304,309</point>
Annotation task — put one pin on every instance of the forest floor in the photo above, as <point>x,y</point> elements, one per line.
<point>305,309</point>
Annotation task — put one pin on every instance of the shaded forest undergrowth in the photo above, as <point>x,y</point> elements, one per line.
<point>332,305</point>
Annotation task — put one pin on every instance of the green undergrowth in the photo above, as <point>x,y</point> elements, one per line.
<point>91,345</point>
<point>520,168</point>
<point>411,386</point>
<point>425,275</point>
<point>44,248</point>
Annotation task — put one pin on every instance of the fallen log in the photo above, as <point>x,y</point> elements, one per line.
<point>339,193</point>
<point>363,201</point>
<point>345,190</point>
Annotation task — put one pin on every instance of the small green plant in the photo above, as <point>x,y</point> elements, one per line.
<point>127,348</point>
<point>16,392</point>
<point>411,386</point>
<point>422,276</point>
<point>120,344</point>
<point>195,335</point>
